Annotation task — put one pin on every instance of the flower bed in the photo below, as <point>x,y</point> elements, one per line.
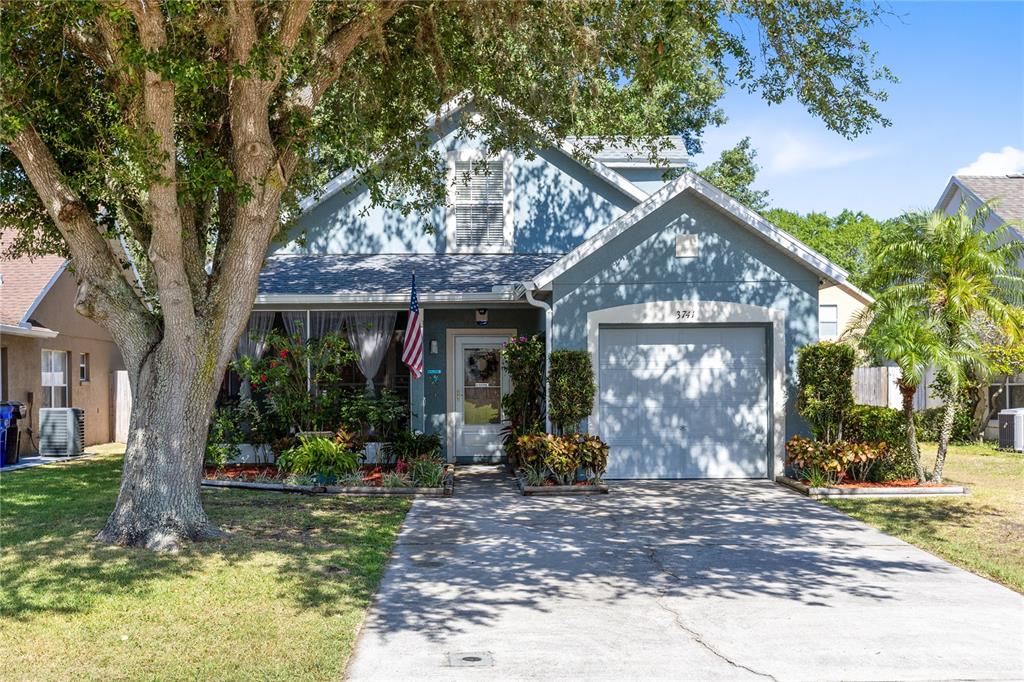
<point>551,487</point>
<point>546,464</point>
<point>369,479</point>
<point>905,488</point>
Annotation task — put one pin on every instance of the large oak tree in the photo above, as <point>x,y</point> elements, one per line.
<point>162,145</point>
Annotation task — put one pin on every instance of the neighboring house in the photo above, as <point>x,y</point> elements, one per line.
<point>1006,194</point>
<point>691,305</point>
<point>50,356</point>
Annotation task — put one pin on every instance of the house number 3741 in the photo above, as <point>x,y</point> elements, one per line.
<point>684,315</point>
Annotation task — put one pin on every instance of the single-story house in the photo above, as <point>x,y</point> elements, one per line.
<point>50,356</point>
<point>691,305</point>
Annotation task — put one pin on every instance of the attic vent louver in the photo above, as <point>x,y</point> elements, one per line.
<point>479,204</point>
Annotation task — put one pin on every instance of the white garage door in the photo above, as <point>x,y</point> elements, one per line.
<point>684,402</point>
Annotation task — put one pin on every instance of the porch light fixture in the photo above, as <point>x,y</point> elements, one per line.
<point>433,346</point>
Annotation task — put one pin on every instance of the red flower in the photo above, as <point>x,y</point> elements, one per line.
<point>254,384</point>
<point>263,378</point>
<point>284,353</point>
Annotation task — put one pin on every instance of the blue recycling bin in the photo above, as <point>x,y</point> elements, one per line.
<point>10,413</point>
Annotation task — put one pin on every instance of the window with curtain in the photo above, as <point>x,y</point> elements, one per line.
<point>55,378</point>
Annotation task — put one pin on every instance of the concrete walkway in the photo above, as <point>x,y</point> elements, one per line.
<point>715,580</point>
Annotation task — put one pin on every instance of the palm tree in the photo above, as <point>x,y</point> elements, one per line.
<point>958,277</point>
<point>903,333</point>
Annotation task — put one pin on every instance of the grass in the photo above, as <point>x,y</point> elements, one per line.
<point>282,598</point>
<point>983,532</point>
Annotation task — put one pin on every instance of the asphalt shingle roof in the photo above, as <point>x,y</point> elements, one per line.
<point>1008,189</point>
<point>391,273</point>
<point>23,280</point>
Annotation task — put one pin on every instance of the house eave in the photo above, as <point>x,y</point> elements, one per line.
<point>385,299</point>
<point>32,332</point>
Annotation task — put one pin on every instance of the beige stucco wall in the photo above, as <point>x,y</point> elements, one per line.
<point>76,334</point>
<point>846,305</point>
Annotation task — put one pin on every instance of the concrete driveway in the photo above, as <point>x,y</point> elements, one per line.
<point>716,580</point>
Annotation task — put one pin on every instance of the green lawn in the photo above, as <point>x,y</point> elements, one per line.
<point>983,532</point>
<point>280,599</point>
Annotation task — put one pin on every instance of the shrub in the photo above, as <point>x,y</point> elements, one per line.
<point>393,479</point>
<point>223,438</point>
<point>523,359</point>
<point>825,377</point>
<point>408,445</point>
<point>426,471</point>
<point>869,424</point>
<point>559,457</point>
<point>320,456</point>
<point>571,382</point>
<point>833,461</point>
<point>929,424</point>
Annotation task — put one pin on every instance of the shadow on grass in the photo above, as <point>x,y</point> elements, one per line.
<point>325,548</point>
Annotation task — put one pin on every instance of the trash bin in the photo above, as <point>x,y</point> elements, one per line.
<point>10,412</point>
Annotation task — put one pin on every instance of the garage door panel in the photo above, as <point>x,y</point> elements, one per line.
<point>684,403</point>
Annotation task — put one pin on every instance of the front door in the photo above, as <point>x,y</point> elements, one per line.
<point>480,381</point>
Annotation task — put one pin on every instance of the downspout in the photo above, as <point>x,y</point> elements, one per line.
<point>528,289</point>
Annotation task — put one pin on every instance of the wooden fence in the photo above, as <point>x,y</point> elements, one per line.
<point>871,386</point>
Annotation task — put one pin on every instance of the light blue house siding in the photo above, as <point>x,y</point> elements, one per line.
<point>556,205</point>
<point>428,396</point>
<point>733,265</point>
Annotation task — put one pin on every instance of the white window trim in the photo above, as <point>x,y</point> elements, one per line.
<point>828,337</point>
<point>84,362</point>
<point>462,155</point>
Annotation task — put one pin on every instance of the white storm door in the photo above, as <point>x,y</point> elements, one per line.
<point>480,382</point>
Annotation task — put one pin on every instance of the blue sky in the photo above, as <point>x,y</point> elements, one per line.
<point>960,96</point>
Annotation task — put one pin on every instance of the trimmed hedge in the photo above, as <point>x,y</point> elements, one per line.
<point>870,424</point>
<point>825,377</point>
<point>572,386</point>
<point>929,424</point>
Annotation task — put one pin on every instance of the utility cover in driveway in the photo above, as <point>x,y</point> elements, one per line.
<point>684,402</point>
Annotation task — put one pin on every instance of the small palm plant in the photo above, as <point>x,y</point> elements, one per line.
<point>943,279</point>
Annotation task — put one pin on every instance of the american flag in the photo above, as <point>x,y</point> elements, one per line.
<point>412,347</point>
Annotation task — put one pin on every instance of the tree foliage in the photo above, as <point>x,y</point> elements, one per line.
<point>825,376</point>
<point>734,172</point>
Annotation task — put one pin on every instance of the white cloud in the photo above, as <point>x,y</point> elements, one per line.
<point>1006,161</point>
<point>791,153</point>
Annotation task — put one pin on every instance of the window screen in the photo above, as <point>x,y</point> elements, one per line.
<point>479,205</point>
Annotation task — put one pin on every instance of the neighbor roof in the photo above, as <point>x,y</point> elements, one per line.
<point>351,277</point>
<point>1007,191</point>
<point>25,282</point>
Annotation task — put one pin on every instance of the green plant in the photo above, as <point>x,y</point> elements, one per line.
<point>834,460</point>
<point>393,479</point>
<point>426,471</point>
<point>572,386</point>
<point>352,480</point>
<point>283,375</point>
<point>523,360</point>
<point>593,454</point>
<point>816,478</point>
<point>929,424</point>
<point>318,456</point>
<point>960,279</point>
<point>223,438</point>
<point>871,424</point>
<point>536,474</point>
<point>409,445</point>
<point>825,377</point>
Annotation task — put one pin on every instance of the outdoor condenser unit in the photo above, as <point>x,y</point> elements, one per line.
<point>1011,429</point>
<point>61,431</point>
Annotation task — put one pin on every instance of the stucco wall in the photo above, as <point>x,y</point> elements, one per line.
<point>556,204</point>
<point>847,306</point>
<point>733,265</point>
<point>77,335</point>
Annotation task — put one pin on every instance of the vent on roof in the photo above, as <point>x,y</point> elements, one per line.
<point>479,204</point>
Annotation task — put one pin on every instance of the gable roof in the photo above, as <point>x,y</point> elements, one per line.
<point>1006,190</point>
<point>24,282</point>
<point>691,182</point>
<point>353,278</point>
<point>458,103</point>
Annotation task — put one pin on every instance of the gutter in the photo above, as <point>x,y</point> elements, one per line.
<point>528,289</point>
<point>398,299</point>
<point>34,332</point>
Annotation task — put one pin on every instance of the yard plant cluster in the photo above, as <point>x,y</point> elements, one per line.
<point>545,458</point>
<point>316,428</point>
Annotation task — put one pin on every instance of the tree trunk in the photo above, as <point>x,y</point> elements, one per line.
<point>158,505</point>
<point>948,416</point>
<point>908,392</point>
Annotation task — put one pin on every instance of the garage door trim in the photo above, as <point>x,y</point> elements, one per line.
<point>703,313</point>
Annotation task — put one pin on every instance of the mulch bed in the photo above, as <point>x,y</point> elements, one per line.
<point>372,473</point>
<point>905,483</point>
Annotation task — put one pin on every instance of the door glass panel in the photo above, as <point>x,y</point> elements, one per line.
<point>482,386</point>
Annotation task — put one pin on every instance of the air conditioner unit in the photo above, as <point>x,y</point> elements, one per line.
<point>61,431</point>
<point>1011,429</point>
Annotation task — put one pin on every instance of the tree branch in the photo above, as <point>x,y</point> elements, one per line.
<point>165,247</point>
<point>103,293</point>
